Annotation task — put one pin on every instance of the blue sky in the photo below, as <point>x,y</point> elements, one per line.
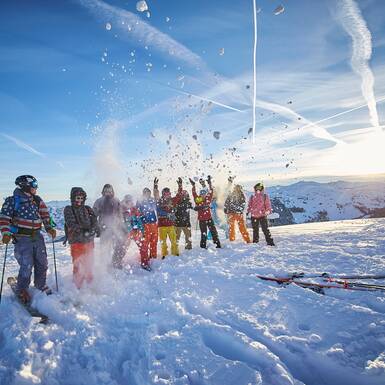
<point>82,104</point>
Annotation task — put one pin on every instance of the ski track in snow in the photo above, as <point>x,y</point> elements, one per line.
<point>204,318</point>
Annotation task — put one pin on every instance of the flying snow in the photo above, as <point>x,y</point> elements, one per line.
<point>141,6</point>
<point>280,9</point>
<point>108,26</point>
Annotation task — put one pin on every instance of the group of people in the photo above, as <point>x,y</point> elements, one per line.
<point>157,215</point>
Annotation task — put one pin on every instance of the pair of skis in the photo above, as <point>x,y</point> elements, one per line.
<point>347,282</point>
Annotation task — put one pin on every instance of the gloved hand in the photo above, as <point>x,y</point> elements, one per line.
<point>191,181</point>
<point>209,179</point>
<point>52,233</point>
<point>156,181</point>
<point>179,181</point>
<point>6,238</point>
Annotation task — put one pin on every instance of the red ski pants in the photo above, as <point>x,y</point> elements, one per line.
<point>138,237</point>
<point>151,239</point>
<point>82,259</point>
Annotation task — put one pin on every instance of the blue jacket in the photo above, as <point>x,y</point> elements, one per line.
<point>148,210</point>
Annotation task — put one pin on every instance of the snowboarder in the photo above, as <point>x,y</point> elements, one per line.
<point>234,207</point>
<point>202,206</point>
<point>147,208</point>
<point>108,212</point>
<point>182,219</point>
<point>259,208</point>
<point>81,227</point>
<point>166,217</point>
<point>21,219</point>
<point>135,230</point>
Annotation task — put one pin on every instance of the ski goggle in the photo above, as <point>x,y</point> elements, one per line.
<point>34,184</point>
<point>79,198</point>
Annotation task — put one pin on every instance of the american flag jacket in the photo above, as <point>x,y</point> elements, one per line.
<point>23,211</point>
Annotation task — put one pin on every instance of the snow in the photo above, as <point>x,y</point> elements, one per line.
<point>141,6</point>
<point>204,318</point>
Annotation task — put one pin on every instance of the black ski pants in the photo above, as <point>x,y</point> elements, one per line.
<point>203,225</point>
<point>255,222</point>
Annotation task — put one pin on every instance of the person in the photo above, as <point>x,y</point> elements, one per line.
<point>202,206</point>
<point>166,217</point>
<point>21,218</point>
<point>147,208</point>
<point>259,207</point>
<point>81,227</point>
<point>134,230</point>
<point>182,219</point>
<point>234,207</point>
<point>108,212</point>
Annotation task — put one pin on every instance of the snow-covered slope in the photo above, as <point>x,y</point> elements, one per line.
<point>313,201</point>
<point>204,318</point>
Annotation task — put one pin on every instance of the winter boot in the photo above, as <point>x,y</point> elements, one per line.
<point>24,296</point>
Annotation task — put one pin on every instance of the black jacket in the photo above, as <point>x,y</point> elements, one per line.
<point>182,213</point>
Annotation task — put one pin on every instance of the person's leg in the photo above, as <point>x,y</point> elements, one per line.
<point>242,228</point>
<point>266,231</point>
<point>24,256</point>
<point>178,232</point>
<point>187,235</point>
<point>174,244</point>
<point>255,225</point>
<point>203,229</point>
<point>40,262</point>
<point>214,232</point>
<point>153,240</point>
<point>88,261</point>
<point>77,251</point>
<point>231,222</point>
<point>163,239</point>
<point>119,251</point>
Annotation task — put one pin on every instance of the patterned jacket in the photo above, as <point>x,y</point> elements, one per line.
<point>22,211</point>
<point>259,205</point>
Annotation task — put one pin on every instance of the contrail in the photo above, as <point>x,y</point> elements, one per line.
<point>343,113</point>
<point>255,65</point>
<point>355,25</point>
<point>23,145</point>
<point>134,26</point>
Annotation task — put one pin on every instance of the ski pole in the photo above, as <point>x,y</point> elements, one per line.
<point>2,276</point>
<point>54,263</point>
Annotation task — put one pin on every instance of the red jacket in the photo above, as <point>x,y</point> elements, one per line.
<point>259,205</point>
<point>165,208</point>
<point>203,205</point>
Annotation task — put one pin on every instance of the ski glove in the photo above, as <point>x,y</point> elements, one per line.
<point>52,233</point>
<point>6,238</point>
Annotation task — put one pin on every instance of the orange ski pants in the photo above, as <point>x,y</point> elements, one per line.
<point>82,258</point>
<point>232,219</point>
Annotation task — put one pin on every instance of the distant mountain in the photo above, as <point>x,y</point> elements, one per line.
<point>314,202</point>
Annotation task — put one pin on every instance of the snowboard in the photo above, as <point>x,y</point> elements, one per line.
<point>12,282</point>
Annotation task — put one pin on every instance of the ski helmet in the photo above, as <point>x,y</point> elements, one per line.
<point>259,186</point>
<point>26,182</point>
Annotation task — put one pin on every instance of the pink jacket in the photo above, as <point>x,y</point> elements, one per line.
<point>259,205</point>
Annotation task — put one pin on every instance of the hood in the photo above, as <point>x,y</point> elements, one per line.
<point>107,186</point>
<point>77,191</point>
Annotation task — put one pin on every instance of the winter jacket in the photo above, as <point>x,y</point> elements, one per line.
<point>81,224</point>
<point>132,219</point>
<point>147,208</point>
<point>166,208</point>
<point>235,204</point>
<point>108,212</point>
<point>23,213</point>
<point>202,204</point>
<point>259,205</point>
<point>182,212</point>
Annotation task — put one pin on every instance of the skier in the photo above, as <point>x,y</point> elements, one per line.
<point>166,217</point>
<point>234,207</point>
<point>21,218</point>
<point>182,219</point>
<point>147,208</point>
<point>135,230</point>
<point>259,208</point>
<point>81,227</point>
<point>108,212</point>
<point>202,206</point>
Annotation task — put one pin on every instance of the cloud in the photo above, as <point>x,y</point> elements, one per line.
<point>355,25</point>
<point>23,145</point>
<point>134,27</point>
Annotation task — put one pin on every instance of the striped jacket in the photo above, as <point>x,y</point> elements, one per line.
<point>23,211</point>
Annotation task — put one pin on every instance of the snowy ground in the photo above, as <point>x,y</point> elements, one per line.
<point>204,318</point>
